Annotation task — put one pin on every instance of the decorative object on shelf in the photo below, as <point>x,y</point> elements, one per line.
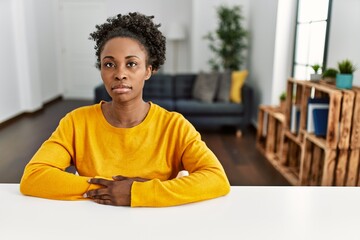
<point>315,104</point>
<point>176,34</point>
<point>315,76</point>
<point>228,41</point>
<point>295,118</point>
<point>329,75</point>
<point>344,78</point>
<point>282,99</point>
<point>320,121</point>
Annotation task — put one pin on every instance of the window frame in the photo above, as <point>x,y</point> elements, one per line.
<point>326,45</point>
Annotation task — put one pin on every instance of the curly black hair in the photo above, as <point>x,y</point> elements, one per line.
<point>136,26</point>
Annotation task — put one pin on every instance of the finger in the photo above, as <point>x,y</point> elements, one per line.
<point>119,178</point>
<point>104,202</point>
<point>100,181</point>
<point>102,197</point>
<point>97,192</point>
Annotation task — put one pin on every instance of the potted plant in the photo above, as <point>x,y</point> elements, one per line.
<point>344,78</point>
<point>282,99</point>
<point>315,76</point>
<point>329,75</point>
<point>228,41</point>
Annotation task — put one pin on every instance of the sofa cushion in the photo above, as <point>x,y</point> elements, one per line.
<point>159,86</point>
<point>196,107</point>
<point>205,86</point>
<point>223,91</point>
<point>184,84</point>
<point>237,81</point>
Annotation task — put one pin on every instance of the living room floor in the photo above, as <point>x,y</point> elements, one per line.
<point>22,136</point>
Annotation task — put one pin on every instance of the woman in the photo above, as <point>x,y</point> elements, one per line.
<point>127,152</point>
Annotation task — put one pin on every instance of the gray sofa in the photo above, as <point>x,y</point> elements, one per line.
<point>174,93</point>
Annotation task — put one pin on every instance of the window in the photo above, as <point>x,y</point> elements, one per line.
<point>311,36</point>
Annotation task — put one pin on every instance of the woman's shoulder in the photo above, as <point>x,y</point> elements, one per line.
<point>171,118</point>
<point>164,113</point>
<point>84,111</point>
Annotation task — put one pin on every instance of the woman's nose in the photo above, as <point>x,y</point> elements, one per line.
<point>120,73</point>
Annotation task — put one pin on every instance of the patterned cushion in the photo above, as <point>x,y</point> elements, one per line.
<point>223,91</point>
<point>205,86</point>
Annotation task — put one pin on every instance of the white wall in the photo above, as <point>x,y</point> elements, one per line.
<point>284,44</point>
<point>9,94</point>
<point>204,21</point>
<point>28,63</point>
<point>344,41</point>
<point>166,12</point>
<point>48,48</point>
<point>262,19</point>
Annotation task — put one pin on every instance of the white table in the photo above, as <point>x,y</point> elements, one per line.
<point>246,213</point>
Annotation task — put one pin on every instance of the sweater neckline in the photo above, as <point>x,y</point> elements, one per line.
<point>141,125</point>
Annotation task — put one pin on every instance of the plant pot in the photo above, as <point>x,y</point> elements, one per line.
<point>344,81</point>
<point>315,77</point>
<point>330,80</point>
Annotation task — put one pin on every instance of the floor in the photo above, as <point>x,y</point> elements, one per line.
<point>20,138</point>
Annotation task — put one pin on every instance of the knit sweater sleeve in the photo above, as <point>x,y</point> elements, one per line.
<point>45,175</point>
<point>206,179</point>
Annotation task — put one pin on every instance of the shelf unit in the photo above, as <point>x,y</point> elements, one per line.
<point>303,158</point>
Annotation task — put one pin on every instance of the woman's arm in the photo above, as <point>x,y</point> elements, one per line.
<point>206,180</point>
<point>45,176</point>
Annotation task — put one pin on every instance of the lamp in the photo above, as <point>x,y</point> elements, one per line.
<point>176,33</point>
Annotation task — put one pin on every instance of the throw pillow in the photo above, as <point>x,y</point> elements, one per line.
<point>237,81</point>
<point>223,93</point>
<point>205,86</point>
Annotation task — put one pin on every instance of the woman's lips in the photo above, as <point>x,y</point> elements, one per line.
<point>121,88</point>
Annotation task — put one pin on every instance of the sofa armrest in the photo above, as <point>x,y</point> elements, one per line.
<point>247,100</point>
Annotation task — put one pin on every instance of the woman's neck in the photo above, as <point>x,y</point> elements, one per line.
<point>125,115</point>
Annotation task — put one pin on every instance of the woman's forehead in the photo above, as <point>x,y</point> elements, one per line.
<point>124,46</point>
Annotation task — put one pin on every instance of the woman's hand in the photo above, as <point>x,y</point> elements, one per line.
<point>117,192</point>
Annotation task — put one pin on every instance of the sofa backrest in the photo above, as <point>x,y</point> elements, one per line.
<point>184,84</point>
<point>159,86</point>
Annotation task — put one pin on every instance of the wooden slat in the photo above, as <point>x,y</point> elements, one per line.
<point>355,133</point>
<point>321,142</point>
<point>303,108</point>
<point>284,149</point>
<point>341,167</point>
<point>346,119</point>
<point>279,138</point>
<point>353,169</point>
<point>329,168</point>
<point>289,93</point>
<point>305,164</point>
<point>315,166</point>
<point>269,147</point>
<point>332,135</point>
<point>260,123</point>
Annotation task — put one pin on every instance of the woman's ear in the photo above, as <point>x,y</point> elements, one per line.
<point>148,72</point>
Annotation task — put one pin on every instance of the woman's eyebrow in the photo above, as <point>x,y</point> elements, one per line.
<point>131,56</point>
<point>127,57</point>
<point>111,57</point>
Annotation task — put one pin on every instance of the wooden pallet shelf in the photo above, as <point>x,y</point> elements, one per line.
<point>303,158</point>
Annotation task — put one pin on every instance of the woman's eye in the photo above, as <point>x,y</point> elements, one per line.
<point>109,65</point>
<point>132,64</point>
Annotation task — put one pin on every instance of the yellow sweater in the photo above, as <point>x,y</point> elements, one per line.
<point>157,149</point>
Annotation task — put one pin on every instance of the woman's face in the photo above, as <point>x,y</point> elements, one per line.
<point>123,68</point>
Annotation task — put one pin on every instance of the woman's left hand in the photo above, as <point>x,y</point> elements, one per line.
<point>117,192</point>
